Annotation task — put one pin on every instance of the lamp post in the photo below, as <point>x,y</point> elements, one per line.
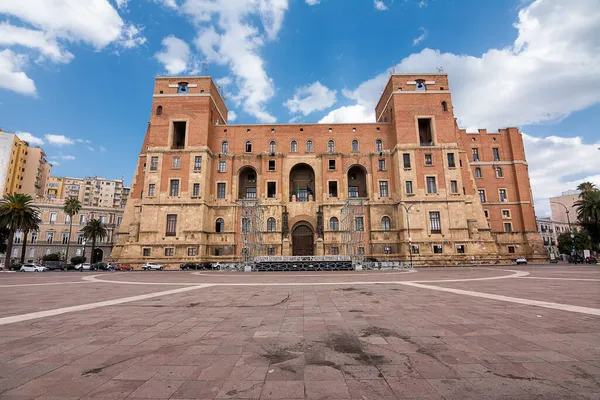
<point>407,209</point>
<point>568,223</point>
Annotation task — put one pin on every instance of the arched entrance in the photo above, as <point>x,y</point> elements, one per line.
<point>303,240</point>
<point>98,256</point>
<point>302,182</point>
<point>247,184</point>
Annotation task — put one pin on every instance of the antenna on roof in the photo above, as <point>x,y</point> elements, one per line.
<point>205,68</point>
<point>392,70</point>
<point>440,69</point>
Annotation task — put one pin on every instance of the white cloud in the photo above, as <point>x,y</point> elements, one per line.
<point>356,113</point>
<point>102,149</point>
<point>228,36</point>
<point>421,37</point>
<point>68,157</point>
<point>131,36</point>
<point>31,139</point>
<point>167,3</point>
<point>90,148</point>
<point>422,3</point>
<point>54,162</point>
<point>83,141</point>
<point>231,116</point>
<point>175,56</point>
<point>557,164</point>
<point>552,70</point>
<point>11,75</point>
<point>121,3</point>
<point>312,2</point>
<point>379,5</point>
<point>310,98</point>
<point>58,140</point>
<point>11,35</point>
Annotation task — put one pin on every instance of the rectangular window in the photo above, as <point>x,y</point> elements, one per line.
<point>218,251</point>
<point>475,154</point>
<point>359,224</point>
<point>179,128</point>
<point>67,219</point>
<point>196,190</point>
<point>192,251</point>
<point>34,238</point>
<point>333,190</point>
<point>431,186</point>
<point>151,190</point>
<point>502,193</point>
<point>154,163</point>
<point>496,152</point>
<point>271,251</point>
<point>406,159</point>
<point>428,159</point>
<point>352,191</point>
<point>481,195</point>
<point>425,135</point>
<point>507,227</point>
<point>505,213</point>
<point>460,248</point>
<point>250,192</point>
<point>197,163</point>
<point>52,218</point>
<point>222,166</point>
<point>169,251</point>
<point>409,187</point>
<point>438,249</point>
<point>486,213</point>
<point>381,165</point>
<point>451,163</point>
<point>271,190</point>
<point>65,238</point>
<point>360,250</point>
<point>220,190</point>
<point>171,225</point>
<point>176,162</point>
<point>146,251</point>
<point>271,165</point>
<point>331,164</point>
<point>17,239</point>
<point>174,188</point>
<point>335,251</point>
<point>511,249</point>
<point>80,238</point>
<point>454,187</point>
<point>434,222</point>
<point>49,237</point>
<point>383,189</point>
<point>414,249</point>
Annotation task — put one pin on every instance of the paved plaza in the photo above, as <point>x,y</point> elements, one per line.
<point>527,332</point>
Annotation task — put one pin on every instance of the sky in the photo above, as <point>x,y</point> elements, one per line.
<point>76,76</point>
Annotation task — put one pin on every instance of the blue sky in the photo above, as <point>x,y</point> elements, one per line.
<point>77,76</point>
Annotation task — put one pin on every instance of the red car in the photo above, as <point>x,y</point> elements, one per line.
<point>123,267</point>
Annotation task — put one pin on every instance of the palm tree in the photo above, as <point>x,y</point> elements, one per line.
<point>71,207</point>
<point>17,213</point>
<point>586,187</point>
<point>94,229</point>
<point>588,213</point>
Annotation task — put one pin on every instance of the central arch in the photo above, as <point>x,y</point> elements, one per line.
<point>302,182</point>
<point>303,240</point>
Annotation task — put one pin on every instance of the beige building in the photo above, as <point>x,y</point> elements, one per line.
<point>563,207</point>
<point>91,191</point>
<point>53,234</point>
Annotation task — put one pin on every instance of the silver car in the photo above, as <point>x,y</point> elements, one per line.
<point>152,267</point>
<point>32,268</point>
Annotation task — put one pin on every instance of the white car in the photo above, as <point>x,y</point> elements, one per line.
<point>152,267</point>
<point>32,268</point>
<point>521,260</point>
<point>84,266</point>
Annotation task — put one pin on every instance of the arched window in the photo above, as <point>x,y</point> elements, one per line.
<point>385,223</point>
<point>334,224</point>
<point>309,146</point>
<point>331,146</point>
<point>159,110</point>
<point>248,147</point>
<point>477,172</point>
<point>499,172</point>
<point>220,225</point>
<point>182,87</point>
<point>294,146</point>
<point>444,106</point>
<point>355,146</point>
<point>378,145</point>
<point>225,147</point>
<point>271,225</point>
<point>272,147</point>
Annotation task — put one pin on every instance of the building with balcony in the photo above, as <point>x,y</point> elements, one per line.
<point>91,191</point>
<point>411,182</point>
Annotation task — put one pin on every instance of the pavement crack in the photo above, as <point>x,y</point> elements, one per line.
<point>520,378</point>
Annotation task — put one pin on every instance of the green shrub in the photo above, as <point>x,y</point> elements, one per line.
<point>77,260</point>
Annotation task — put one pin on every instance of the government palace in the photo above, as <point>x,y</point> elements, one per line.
<point>411,185</point>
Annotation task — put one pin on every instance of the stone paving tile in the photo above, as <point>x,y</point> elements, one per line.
<point>155,389</point>
<point>326,390</point>
<point>116,389</point>
<point>283,390</point>
<point>198,390</point>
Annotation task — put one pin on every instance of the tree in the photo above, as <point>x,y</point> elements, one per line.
<point>588,214</point>
<point>581,241</point>
<point>18,213</point>
<point>586,187</point>
<point>3,239</point>
<point>94,229</point>
<point>71,207</point>
<point>51,257</point>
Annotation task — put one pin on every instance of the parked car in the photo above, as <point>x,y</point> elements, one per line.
<point>54,265</point>
<point>591,260</point>
<point>152,267</point>
<point>189,266</point>
<point>33,268</point>
<point>101,266</point>
<point>521,260</point>
<point>124,267</point>
<point>15,267</point>
<point>84,267</point>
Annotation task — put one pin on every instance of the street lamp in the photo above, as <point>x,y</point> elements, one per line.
<point>407,209</point>
<point>569,224</point>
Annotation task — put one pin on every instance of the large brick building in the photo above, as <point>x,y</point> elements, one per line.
<point>205,190</point>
